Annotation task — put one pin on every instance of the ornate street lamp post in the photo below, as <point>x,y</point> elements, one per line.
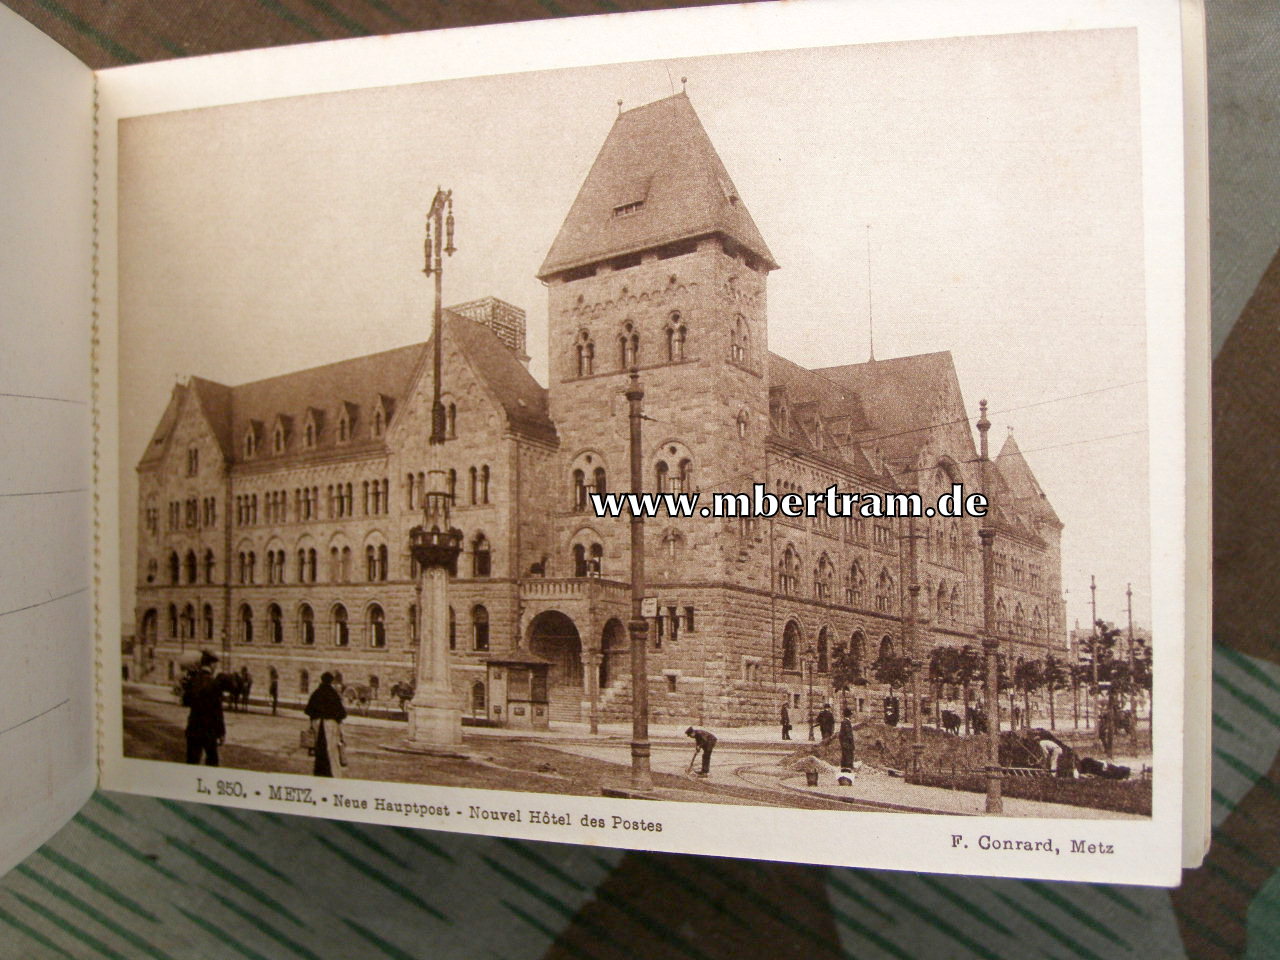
<point>638,628</point>
<point>435,717</point>
<point>913,645</point>
<point>810,660</point>
<point>990,642</point>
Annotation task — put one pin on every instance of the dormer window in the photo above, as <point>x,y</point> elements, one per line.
<point>193,462</point>
<point>277,440</point>
<point>382,414</point>
<point>379,421</point>
<point>251,441</point>
<point>627,209</point>
<point>311,428</point>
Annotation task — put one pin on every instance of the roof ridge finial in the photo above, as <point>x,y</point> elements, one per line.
<point>684,85</point>
<point>619,108</point>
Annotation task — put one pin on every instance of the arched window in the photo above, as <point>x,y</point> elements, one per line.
<point>277,623</point>
<point>886,647</point>
<point>479,628</point>
<point>246,623</point>
<point>885,599</point>
<point>579,490</point>
<point>855,592</point>
<point>1019,621</point>
<point>383,561</point>
<point>824,643</point>
<point>481,558</point>
<point>453,630</point>
<point>662,475</point>
<point>789,571</point>
<point>858,651</point>
<point>345,565</point>
<point>252,564</point>
<point>341,629</point>
<point>477,699</point>
<point>371,563</point>
<point>629,346</point>
<point>676,333</point>
<point>451,421</point>
<point>304,681</point>
<point>738,345</point>
<point>954,546</point>
<point>414,627</point>
<point>379,421</point>
<point>942,607</point>
<point>475,485</point>
<point>586,354</point>
<point>173,621</point>
<point>453,485</point>
<point>153,570</point>
<point>484,484</point>
<point>311,565</point>
<point>377,627</point>
<point>743,418</point>
<point>598,484</point>
<point>579,560</point>
<point>306,625</point>
<point>684,477</point>
<point>174,573</point>
<point>791,646</point>
<point>208,566</point>
<point>823,577</point>
<point>188,624</point>
<point>956,605</point>
<point>595,559</point>
<point>189,566</point>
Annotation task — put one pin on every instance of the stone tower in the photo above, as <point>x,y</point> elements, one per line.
<point>658,265</point>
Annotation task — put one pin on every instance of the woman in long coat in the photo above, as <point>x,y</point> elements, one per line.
<point>327,713</point>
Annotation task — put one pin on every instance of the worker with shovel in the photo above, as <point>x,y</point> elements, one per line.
<point>704,741</point>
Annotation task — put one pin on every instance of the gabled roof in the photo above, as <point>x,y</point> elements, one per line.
<point>816,406</point>
<point>377,380</point>
<point>521,396</point>
<point>1023,485</point>
<point>909,401</point>
<point>656,180</point>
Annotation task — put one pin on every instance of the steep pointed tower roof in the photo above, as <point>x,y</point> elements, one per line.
<point>656,180</point>
<point>1022,482</point>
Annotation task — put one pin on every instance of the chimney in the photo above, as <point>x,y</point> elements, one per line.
<point>504,319</point>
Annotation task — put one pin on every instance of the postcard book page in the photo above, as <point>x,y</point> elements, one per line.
<point>46,648</point>
<point>880,306</point>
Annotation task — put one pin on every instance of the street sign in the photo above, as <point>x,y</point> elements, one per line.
<point>649,607</point>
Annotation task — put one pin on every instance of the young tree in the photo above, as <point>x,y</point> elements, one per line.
<point>969,671</point>
<point>1028,676</point>
<point>944,669</point>
<point>1055,678</point>
<point>846,671</point>
<point>895,671</point>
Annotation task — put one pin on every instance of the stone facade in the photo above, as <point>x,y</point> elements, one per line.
<point>275,516</point>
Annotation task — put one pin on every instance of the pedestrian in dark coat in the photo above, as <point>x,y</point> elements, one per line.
<point>786,721</point>
<point>826,722</point>
<point>846,741</point>
<point>706,742</point>
<point>327,713</point>
<point>206,728</point>
<point>274,689</point>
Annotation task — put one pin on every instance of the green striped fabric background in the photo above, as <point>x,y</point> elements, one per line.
<point>141,878</point>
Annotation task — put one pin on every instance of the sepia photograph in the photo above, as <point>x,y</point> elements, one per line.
<point>392,360</point>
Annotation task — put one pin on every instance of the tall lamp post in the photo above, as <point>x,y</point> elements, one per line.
<point>435,717</point>
<point>638,628</point>
<point>913,645</point>
<point>810,661</point>
<point>1133,685</point>
<point>990,642</point>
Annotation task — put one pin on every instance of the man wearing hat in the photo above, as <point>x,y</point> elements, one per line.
<point>205,725</point>
<point>706,742</point>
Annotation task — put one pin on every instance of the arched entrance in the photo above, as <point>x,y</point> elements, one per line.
<point>553,636</point>
<point>613,651</point>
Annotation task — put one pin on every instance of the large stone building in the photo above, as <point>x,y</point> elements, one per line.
<point>274,516</point>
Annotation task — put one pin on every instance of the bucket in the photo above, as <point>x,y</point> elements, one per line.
<point>811,777</point>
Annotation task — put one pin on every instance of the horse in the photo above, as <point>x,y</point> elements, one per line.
<point>402,691</point>
<point>358,695</point>
<point>951,722</point>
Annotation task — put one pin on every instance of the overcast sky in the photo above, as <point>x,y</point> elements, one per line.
<point>1000,178</point>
